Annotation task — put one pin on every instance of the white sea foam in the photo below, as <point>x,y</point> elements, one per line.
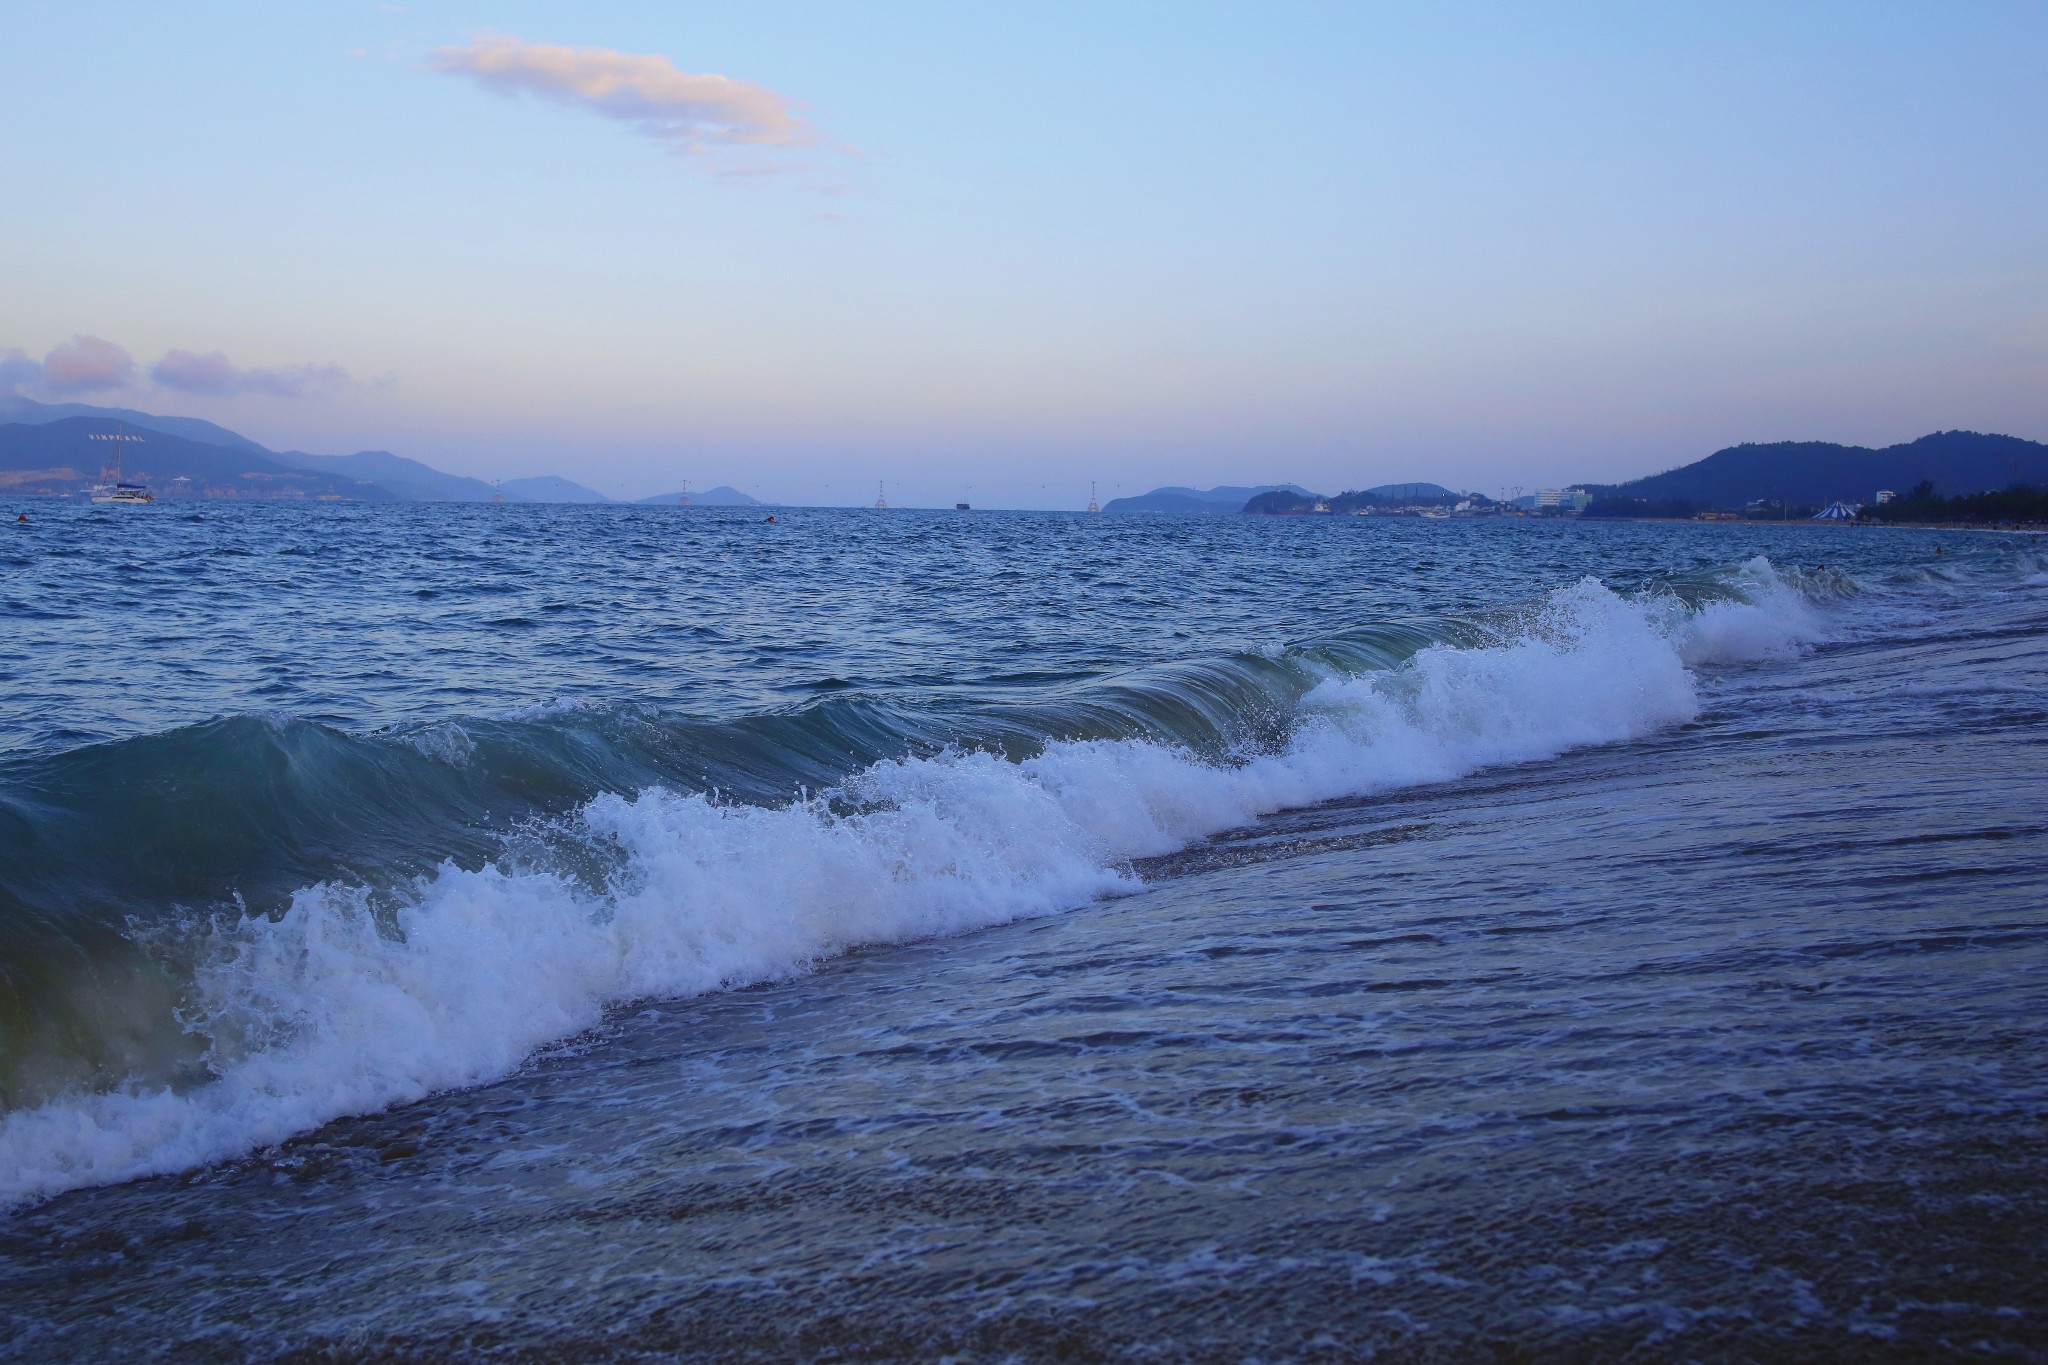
<point>1771,620</point>
<point>319,1014</point>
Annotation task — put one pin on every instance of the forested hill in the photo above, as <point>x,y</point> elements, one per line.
<point>1819,472</point>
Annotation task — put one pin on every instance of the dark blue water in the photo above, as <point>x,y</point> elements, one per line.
<point>560,933</point>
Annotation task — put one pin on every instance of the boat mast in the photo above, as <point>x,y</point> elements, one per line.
<point>117,436</point>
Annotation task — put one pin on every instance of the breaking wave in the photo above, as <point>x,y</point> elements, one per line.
<point>631,872</point>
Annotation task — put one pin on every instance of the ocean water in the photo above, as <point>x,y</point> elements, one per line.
<point>561,933</point>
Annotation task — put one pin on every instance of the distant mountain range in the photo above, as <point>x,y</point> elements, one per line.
<point>61,457</point>
<point>1814,473</point>
<point>44,448</point>
<point>25,410</point>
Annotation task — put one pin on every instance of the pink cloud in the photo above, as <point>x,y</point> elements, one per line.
<point>84,364</point>
<point>685,111</point>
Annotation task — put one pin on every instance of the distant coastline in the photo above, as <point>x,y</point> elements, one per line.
<point>1945,478</point>
<point>46,450</point>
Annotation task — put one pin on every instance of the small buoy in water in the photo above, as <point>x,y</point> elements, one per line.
<point>22,517</point>
<point>771,518</point>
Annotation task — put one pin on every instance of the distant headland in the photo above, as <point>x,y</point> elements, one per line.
<point>1224,500</point>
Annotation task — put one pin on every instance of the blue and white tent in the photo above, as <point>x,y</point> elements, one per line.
<point>1837,511</point>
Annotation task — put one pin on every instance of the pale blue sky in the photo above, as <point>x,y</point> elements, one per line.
<point>1037,244</point>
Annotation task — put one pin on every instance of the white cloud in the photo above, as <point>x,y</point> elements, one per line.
<point>686,112</point>
<point>214,373</point>
<point>85,364</point>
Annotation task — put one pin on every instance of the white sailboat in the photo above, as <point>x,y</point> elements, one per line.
<point>110,488</point>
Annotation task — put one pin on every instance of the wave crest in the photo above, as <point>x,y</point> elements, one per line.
<point>337,1006</point>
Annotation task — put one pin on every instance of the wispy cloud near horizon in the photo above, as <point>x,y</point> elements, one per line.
<point>213,373</point>
<point>90,364</point>
<point>687,112</point>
